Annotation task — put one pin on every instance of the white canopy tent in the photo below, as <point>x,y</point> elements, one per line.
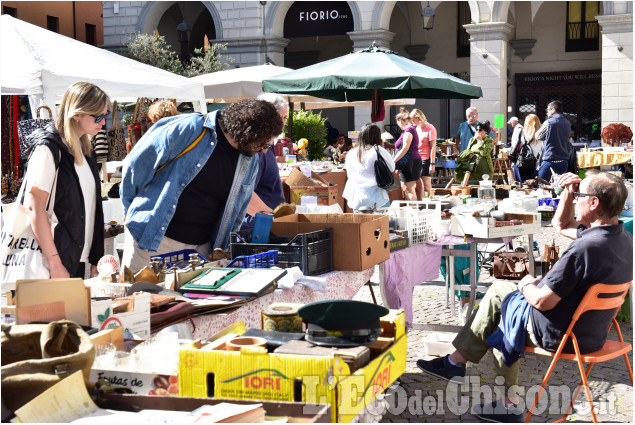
<point>42,64</point>
<point>236,84</point>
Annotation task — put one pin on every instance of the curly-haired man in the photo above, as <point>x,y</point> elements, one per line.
<point>188,182</point>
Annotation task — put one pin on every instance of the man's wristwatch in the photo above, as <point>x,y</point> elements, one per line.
<point>522,286</point>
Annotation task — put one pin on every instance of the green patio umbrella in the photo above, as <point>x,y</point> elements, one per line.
<point>364,74</point>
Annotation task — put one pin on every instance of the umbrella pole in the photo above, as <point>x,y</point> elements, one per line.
<point>290,123</point>
<point>373,106</point>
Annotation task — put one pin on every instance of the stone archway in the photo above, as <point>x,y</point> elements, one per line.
<point>164,16</point>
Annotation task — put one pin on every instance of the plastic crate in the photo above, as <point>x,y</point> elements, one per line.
<point>312,252</point>
<point>422,219</point>
<point>257,261</point>
<point>172,259</point>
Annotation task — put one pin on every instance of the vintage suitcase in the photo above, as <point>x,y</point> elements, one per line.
<point>354,357</point>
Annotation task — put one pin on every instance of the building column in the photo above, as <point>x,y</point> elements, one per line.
<point>489,56</point>
<point>617,69</point>
<point>363,39</point>
<point>251,51</point>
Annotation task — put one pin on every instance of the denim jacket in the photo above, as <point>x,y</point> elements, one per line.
<point>149,200</point>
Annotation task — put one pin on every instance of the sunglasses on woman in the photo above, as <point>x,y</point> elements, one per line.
<point>99,118</point>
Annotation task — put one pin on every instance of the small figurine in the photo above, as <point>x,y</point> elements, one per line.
<point>302,154</point>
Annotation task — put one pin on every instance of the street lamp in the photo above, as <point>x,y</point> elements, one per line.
<point>183,30</point>
<point>428,17</point>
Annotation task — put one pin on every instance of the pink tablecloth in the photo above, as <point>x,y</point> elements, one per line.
<point>412,266</point>
<point>339,284</point>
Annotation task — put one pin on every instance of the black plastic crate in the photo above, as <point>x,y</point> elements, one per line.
<point>312,252</point>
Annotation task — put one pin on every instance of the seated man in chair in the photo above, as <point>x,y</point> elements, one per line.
<point>602,252</point>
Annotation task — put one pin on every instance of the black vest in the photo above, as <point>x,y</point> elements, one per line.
<point>69,209</point>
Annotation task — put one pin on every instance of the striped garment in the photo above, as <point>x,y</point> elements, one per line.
<point>100,146</point>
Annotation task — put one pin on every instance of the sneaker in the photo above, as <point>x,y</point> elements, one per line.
<point>442,368</point>
<point>498,412</point>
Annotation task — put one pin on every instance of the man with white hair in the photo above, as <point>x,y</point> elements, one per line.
<point>467,129</point>
<point>515,130</point>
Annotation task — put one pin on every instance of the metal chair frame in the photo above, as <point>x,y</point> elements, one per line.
<point>610,350</point>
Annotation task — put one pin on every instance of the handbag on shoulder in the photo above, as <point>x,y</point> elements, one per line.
<point>385,178</point>
<point>20,253</point>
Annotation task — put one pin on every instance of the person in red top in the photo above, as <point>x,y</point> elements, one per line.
<point>427,149</point>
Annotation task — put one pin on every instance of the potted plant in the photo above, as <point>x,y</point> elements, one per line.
<point>310,126</point>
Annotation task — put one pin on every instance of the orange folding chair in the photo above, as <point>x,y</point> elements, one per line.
<point>611,349</point>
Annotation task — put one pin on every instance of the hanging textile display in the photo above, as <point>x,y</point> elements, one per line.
<point>28,126</point>
<point>116,137</point>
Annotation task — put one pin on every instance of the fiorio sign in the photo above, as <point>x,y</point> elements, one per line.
<point>307,19</point>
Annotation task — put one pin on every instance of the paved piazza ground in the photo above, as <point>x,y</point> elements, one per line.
<point>420,398</point>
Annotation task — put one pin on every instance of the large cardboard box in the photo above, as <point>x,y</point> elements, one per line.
<point>360,241</point>
<point>254,374</point>
<point>46,300</point>
<point>292,412</point>
<point>300,185</point>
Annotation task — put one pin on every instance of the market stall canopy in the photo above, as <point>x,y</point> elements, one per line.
<point>355,76</point>
<point>237,84</point>
<point>35,61</point>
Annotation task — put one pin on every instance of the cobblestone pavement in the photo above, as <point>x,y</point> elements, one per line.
<point>421,398</point>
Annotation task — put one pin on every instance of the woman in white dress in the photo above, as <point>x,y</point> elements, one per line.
<point>361,187</point>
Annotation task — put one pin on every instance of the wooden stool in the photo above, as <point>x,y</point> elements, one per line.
<point>502,170</point>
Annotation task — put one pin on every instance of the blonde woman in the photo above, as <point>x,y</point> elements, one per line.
<point>160,109</point>
<point>526,151</point>
<point>62,156</point>
<point>427,149</point>
<point>407,158</point>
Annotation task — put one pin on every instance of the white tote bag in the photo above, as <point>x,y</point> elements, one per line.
<point>19,250</point>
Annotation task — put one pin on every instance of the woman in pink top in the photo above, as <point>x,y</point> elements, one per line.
<point>427,149</point>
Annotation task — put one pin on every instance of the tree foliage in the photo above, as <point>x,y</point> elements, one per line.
<point>309,126</point>
<point>152,49</point>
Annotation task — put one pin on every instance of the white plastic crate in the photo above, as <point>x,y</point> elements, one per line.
<point>422,222</point>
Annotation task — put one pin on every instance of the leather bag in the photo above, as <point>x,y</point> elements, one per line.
<point>37,356</point>
<point>511,265</point>
<point>550,255</point>
<point>385,178</point>
<point>116,137</point>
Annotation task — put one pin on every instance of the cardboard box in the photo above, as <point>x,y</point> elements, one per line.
<point>136,321</point>
<point>294,412</point>
<point>485,227</point>
<point>7,315</point>
<point>154,384</point>
<point>47,300</point>
<point>7,299</point>
<point>300,185</point>
<point>360,241</point>
<point>254,374</point>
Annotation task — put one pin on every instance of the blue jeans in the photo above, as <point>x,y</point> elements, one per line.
<point>545,169</point>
